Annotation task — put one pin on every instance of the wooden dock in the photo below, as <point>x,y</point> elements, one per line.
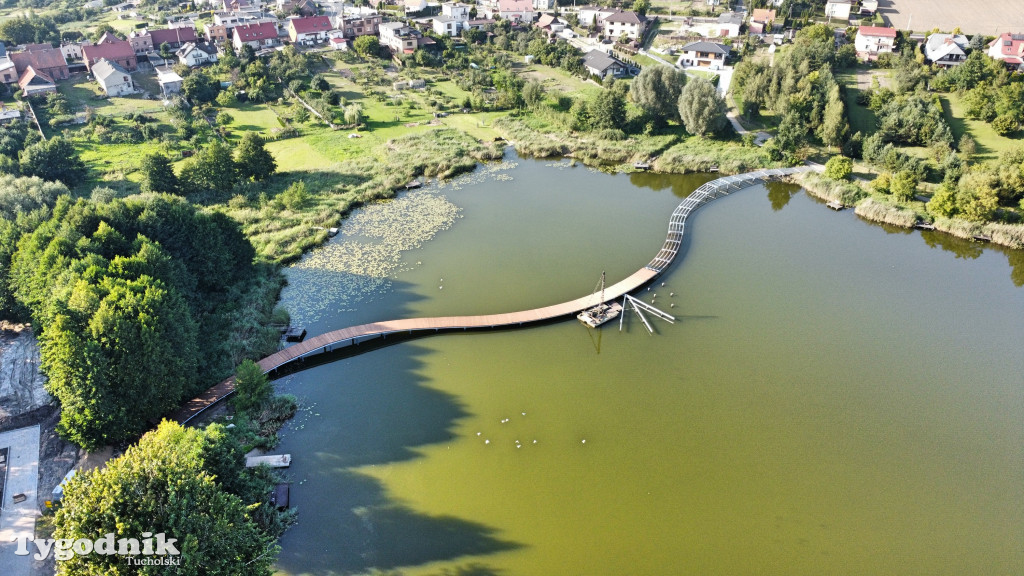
<point>345,337</point>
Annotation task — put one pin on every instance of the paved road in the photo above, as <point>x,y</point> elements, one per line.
<point>22,477</point>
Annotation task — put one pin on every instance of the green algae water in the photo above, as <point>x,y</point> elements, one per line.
<point>834,398</point>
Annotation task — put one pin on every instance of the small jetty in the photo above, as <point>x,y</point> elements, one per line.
<point>413,184</point>
<point>837,206</point>
<point>642,166</point>
<point>332,232</point>
<point>713,169</point>
<point>981,238</point>
<point>924,226</point>
<point>294,334</point>
<point>274,461</point>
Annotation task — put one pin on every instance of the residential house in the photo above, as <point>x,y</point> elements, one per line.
<point>1009,48</point>
<point>704,54</point>
<point>338,43</point>
<point>838,9</point>
<point>33,83</point>
<point>44,59</point>
<point>946,50</point>
<point>539,5</point>
<point>761,20</point>
<point>113,49</point>
<point>311,30</point>
<point>258,36</point>
<point>456,11</point>
<point>8,71</point>
<point>729,24</point>
<point>479,23</point>
<point>71,51</point>
<point>170,82</point>
<point>300,7</point>
<point>873,40</point>
<point>592,15</point>
<point>545,21</point>
<point>602,64</point>
<point>173,37</point>
<point>114,80</point>
<point>516,10</point>
<point>194,54</point>
<point>359,25</point>
<point>399,38</point>
<point>141,41</point>
<point>868,7</point>
<point>445,26</point>
<point>415,6</point>
<point>627,23</point>
<point>237,6</point>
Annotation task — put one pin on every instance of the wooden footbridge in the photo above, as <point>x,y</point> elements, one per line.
<point>345,337</point>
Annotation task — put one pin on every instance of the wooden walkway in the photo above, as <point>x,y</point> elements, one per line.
<point>338,339</point>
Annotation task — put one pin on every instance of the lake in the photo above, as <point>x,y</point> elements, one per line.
<point>835,397</point>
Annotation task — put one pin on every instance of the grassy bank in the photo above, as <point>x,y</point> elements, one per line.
<point>282,226</point>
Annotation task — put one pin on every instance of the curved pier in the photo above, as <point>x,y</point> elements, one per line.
<point>338,339</point>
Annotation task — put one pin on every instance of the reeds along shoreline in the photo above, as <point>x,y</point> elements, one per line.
<point>851,194</point>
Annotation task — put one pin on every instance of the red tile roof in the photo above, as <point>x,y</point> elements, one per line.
<point>1009,44</point>
<point>30,75</point>
<point>173,35</point>
<point>40,57</point>
<point>253,32</point>
<point>114,51</point>
<point>313,24</point>
<point>877,31</point>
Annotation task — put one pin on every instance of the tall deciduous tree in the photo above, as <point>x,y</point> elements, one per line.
<point>53,159</point>
<point>252,387</point>
<point>212,169</point>
<point>608,110</point>
<point>833,126</point>
<point>165,485</point>
<point>701,109</point>
<point>158,175</point>
<point>254,162</point>
<point>657,90</point>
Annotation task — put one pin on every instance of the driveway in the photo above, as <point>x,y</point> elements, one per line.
<point>19,519</point>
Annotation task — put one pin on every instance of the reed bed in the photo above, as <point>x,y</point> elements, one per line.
<point>871,209</point>
<point>846,193</point>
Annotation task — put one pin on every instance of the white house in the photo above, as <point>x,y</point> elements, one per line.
<point>1009,48</point>
<point>415,5</point>
<point>400,38</point>
<point>194,54</point>
<point>946,50</point>
<point>628,24</point>
<point>838,9</point>
<point>539,5</point>
<point>704,54</point>
<point>309,30</point>
<point>170,82</point>
<point>456,11</point>
<point>446,26</point>
<point>516,10</point>
<point>588,15</point>
<point>873,40</point>
<point>114,80</point>
<point>729,24</point>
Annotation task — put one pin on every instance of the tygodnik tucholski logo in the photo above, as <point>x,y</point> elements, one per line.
<point>151,549</point>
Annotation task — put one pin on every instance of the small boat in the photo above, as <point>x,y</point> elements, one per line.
<point>603,312</point>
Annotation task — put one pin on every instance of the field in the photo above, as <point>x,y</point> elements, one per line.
<point>990,17</point>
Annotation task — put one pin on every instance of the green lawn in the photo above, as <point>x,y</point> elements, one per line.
<point>989,144</point>
<point>862,119</point>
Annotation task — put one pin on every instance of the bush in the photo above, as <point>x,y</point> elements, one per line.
<point>838,168</point>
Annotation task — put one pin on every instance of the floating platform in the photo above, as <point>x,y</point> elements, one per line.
<point>274,461</point>
<point>413,184</point>
<point>981,238</point>
<point>332,232</point>
<point>924,226</point>
<point>837,206</point>
<point>600,314</point>
<point>281,496</point>
<point>641,166</point>
<point>295,334</point>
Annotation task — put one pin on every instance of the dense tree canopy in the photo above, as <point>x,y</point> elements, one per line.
<point>701,108</point>
<point>254,162</point>
<point>656,90</point>
<point>119,292</point>
<point>53,159</point>
<point>178,482</point>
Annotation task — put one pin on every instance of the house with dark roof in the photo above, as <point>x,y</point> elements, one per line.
<point>44,59</point>
<point>628,23</point>
<point>310,30</point>
<point>115,80</point>
<point>194,54</point>
<point>602,64</point>
<point>946,50</point>
<point>113,49</point>
<point>258,36</point>
<point>1009,48</point>
<point>33,83</point>
<point>704,54</point>
<point>174,37</point>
